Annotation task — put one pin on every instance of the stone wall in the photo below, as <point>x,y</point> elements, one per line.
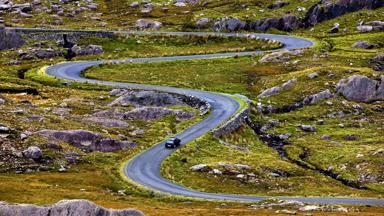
<point>233,124</point>
<point>197,103</point>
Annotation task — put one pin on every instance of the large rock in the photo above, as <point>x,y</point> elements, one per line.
<point>10,39</point>
<point>361,88</point>
<point>229,24</point>
<point>64,208</point>
<point>329,10</point>
<point>147,98</point>
<point>270,92</point>
<point>86,140</point>
<point>312,99</point>
<point>286,23</point>
<point>144,24</point>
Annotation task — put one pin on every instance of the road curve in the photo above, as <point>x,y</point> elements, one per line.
<point>144,169</point>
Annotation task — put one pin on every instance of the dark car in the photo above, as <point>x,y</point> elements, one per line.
<point>172,142</point>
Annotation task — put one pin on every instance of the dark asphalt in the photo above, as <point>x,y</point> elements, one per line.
<point>144,169</point>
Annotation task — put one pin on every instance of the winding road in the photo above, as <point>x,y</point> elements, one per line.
<point>144,169</point>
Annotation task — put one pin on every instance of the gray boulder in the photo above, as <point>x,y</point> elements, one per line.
<point>288,84</point>
<point>364,28</point>
<point>200,168</point>
<point>312,99</point>
<point>364,45</point>
<point>361,88</point>
<point>229,24</point>
<point>280,56</point>
<point>270,92</point>
<point>10,39</point>
<point>307,128</point>
<point>33,152</point>
<point>145,24</point>
<point>64,208</point>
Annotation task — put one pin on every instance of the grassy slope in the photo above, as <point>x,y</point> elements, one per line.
<point>226,75</point>
<point>241,75</point>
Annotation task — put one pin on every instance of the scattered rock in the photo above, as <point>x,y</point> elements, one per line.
<point>351,137</point>
<point>288,84</point>
<point>335,28</point>
<point>365,28</point>
<point>281,56</point>
<point>270,92</point>
<point>145,24</point>
<point>307,128</point>
<point>361,88</point>
<point>33,152</point>
<point>64,207</point>
<point>326,137</point>
<point>364,45</point>
<point>313,75</point>
<point>312,99</point>
<point>200,168</point>
<point>229,24</point>
<point>87,50</point>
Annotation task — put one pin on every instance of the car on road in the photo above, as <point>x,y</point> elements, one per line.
<point>172,142</point>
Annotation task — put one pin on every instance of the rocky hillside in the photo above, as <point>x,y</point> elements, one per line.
<point>181,14</point>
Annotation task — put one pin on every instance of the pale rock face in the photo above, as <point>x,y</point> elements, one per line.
<point>361,88</point>
<point>63,208</point>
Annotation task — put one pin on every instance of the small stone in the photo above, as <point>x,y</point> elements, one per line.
<point>307,128</point>
<point>200,168</point>
<point>313,75</point>
<point>326,137</point>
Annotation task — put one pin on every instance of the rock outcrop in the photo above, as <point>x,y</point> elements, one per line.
<point>10,39</point>
<point>361,88</point>
<point>86,140</point>
<point>326,11</point>
<point>147,98</point>
<point>286,23</point>
<point>312,99</point>
<point>64,208</point>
